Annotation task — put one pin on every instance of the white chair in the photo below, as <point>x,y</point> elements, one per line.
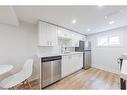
<point>123,71</point>
<point>20,77</point>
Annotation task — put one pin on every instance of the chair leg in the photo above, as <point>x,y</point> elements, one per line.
<point>9,88</point>
<point>12,88</point>
<point>24,84</point>
<point>28,83</point>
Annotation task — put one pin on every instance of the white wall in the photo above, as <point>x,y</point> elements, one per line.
<point>18,44</point>
<point>106,57</point>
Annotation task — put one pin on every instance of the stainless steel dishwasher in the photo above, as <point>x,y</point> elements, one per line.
<point>50,70</point>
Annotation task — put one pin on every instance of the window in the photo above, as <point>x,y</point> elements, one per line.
<point>115,40</point>
<point>102,41</point>
<point>109,40</point>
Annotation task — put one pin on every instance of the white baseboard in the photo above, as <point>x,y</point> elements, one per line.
<point>105,69</point>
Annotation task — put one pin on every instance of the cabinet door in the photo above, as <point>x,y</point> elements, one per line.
<point>76,62</point>
<point>72,58</point>
<point>59,32</point>
<point>80,61</point>
<point>81,37</point>
<point>75,42</point>
<point>76,39</point>
<point>71,63</point>
<point>66,66</point>
<point>47,34</point>
<point>42,35</point>
<point>52,34</point>
<point>64,33</point>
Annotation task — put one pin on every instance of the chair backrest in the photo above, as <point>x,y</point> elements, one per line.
<point>124,67</point>
<point>27,68</point>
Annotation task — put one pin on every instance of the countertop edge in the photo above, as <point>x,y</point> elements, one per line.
<point>71,53</point>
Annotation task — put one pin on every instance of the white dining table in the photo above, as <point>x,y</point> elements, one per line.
<point>5,68</point>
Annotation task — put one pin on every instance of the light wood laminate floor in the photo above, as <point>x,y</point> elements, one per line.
<point>35,85</point>
<point>91,79</point>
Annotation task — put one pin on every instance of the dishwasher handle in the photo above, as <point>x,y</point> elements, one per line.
<point>53,58</point>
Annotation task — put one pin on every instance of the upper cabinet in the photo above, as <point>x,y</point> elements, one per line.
<point>47,35</point>
<point>75,39</point>
<point>72,38</point>
<point>64,34</point>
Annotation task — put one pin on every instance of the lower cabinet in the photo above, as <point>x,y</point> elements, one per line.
<point>71,63</point>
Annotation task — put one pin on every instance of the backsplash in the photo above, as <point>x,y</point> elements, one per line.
<point>48,50</point>
<point>62,46</point>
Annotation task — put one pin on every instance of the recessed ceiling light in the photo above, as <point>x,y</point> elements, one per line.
<point>88,29</point>
<point>100,5</point>
<point>72,34</point>
<point>106,17</point>
<point>111,22</point>
<point>74,21</point>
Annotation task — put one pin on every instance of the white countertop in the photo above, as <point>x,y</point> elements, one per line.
<point>57,54</point>
<point>47,55</point>
<point>71,53</point>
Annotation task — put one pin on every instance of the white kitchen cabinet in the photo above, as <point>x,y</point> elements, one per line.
<point>71,63</point>
<point>47,35</point>
<point>64,34</point>
<point>71,38</point>
<point>78,61</point>
<point>81,37</point>
<point>76,38</point>
<point>66,65</point>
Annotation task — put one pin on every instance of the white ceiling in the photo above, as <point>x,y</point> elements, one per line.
<point>92,17</point>
<point>8,16</point>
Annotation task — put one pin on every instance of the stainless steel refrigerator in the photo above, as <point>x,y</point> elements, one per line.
<point>85,47</point>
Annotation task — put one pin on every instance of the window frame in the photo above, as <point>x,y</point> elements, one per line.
<point>109,35</point>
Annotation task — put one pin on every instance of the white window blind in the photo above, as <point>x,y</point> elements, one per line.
<point>102,41</point>
<point>110,39</point>
<point>114,40</point>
